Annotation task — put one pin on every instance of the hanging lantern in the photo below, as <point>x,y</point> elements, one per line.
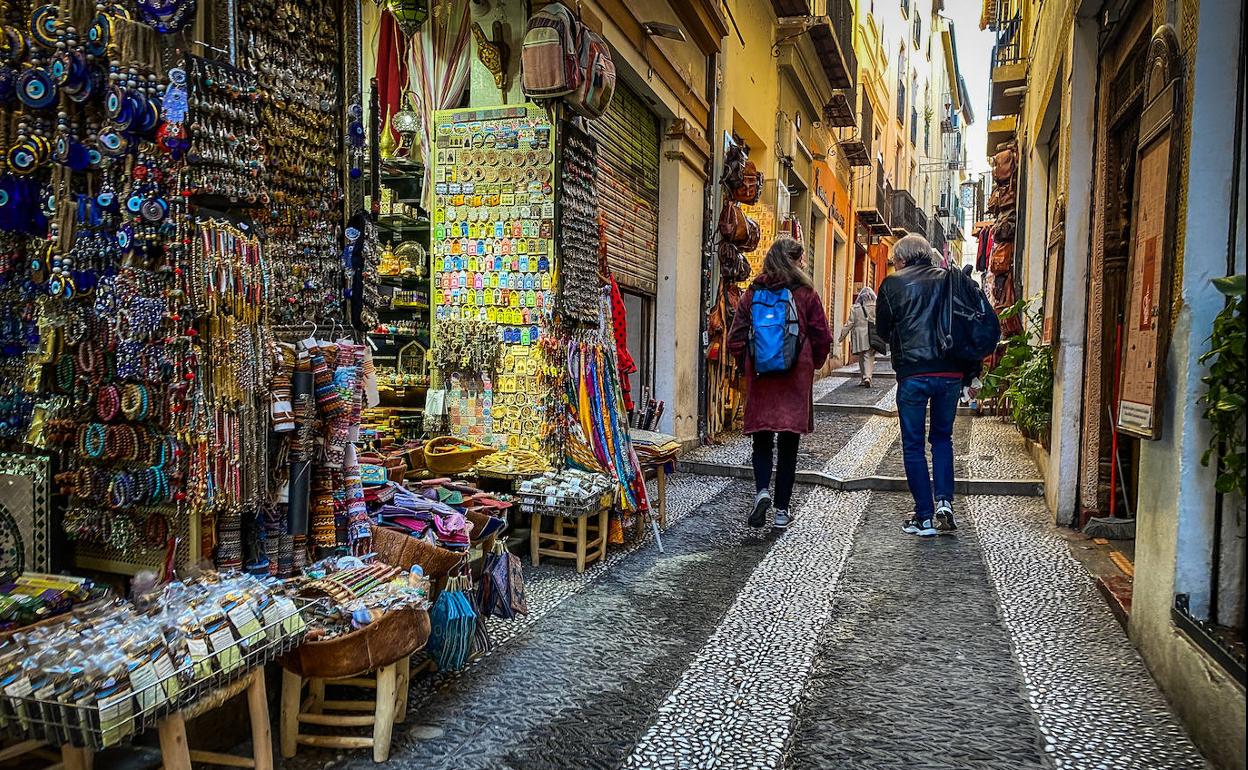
<point>409,14</point>
<point>407,123</point>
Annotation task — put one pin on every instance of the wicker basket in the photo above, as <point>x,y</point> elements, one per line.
<point>393,636</point>
<point>448,455</point>
<point>399,549</point>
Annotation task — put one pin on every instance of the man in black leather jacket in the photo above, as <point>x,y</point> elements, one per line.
<point>907,314</point>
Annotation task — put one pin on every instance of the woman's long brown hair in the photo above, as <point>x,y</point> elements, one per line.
<point>782,264</point>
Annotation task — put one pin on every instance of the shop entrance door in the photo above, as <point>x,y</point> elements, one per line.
<point>1125,102</point>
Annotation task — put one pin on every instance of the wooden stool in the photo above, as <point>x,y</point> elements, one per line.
<point>559,544</point>
<point>177,755</point>
<point>389,705</point>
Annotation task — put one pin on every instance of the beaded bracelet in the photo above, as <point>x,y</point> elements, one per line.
<point>134,401</point>
<point>121,442</point>
<point>107,403</point>
<point>95,438</point>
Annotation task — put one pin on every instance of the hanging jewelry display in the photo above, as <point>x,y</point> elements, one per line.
<point>580,285</point>
<point>293,47</point>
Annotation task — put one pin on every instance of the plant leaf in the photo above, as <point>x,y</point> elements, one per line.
<point>1231,285</point>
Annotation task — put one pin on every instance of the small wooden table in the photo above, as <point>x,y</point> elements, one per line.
<point>586,544</point>
<point>178,755</point>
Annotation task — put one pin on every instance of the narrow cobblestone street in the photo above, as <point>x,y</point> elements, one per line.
<point>841,643</point>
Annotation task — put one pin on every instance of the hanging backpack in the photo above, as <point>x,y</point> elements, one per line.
<point>774,330</point>
<point>597,86</point>
<point>550,54</point>
<point>969,327</point>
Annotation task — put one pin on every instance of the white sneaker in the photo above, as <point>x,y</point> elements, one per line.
<point>924,528</point>
<point>783,518</point>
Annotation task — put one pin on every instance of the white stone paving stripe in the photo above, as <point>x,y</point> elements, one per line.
<point>863,453</point>
<point>734,706</point>
<point>1095,703</point>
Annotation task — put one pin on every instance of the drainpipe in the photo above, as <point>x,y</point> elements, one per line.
<point>708,238</point>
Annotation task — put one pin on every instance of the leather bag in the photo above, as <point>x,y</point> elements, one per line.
<point>1002,259</point>
<point>1003,165</point>
<point>732,223</point>
<point>751,187</point>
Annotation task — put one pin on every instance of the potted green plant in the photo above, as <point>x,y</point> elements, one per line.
<point>1224,400</point>
<point>1023,377</point>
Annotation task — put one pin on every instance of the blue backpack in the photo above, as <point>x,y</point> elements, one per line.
<point>774,330</point>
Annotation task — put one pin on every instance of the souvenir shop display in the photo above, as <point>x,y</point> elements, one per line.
<point>100,677</point>
<point>358,594</point>
<point>579,234</point>
<point>492,249</point>
<point>570,492</point>
<point>35,597</point>
<point>512,463</point>
<point>294,49</point>
<point>587,420</point>
<point>1001,282</point>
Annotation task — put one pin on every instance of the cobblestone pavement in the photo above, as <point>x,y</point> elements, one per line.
<point>841,643</point>
<point>849,445</point>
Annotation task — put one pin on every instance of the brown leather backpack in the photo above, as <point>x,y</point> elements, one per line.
<point>751,187</point>
<point>733,265</point>
<point>1003,165</point>
<point>1003,230</point>
<point>1002,259</point>
<point>732,223</point>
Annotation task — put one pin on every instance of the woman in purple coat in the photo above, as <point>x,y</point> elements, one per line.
<point>778,405</point>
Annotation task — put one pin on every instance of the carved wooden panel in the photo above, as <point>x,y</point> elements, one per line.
<point>1146,323</point>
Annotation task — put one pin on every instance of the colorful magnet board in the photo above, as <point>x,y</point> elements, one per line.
<point>493,258</point>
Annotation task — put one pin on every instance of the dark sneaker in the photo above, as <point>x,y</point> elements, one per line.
<point>762,502</point>
<point>922,528</point>
<point>783,518</point>
<point>944,516</point>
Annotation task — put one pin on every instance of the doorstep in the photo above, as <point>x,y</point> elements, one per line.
<point>1111,565</point>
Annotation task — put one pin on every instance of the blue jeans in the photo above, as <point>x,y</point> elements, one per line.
<point>913,395</point>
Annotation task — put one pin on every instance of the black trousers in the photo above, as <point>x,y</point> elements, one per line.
<point>786,464</point>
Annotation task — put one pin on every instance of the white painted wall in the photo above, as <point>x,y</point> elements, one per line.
<point>1062,475</point>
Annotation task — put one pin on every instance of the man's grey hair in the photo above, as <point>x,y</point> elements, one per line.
<point>912,250</point>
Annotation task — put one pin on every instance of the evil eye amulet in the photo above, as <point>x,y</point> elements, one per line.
<point>35,89</point>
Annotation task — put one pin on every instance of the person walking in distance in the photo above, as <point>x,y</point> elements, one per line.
<point>858,329</point>
<point>908,317</point>
<point>780,335</point>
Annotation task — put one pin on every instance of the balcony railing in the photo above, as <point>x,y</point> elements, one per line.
<point>918,221</point>
<point>871,200</point>
<point>1009,46</point>
<point>901,206</point>
<point>841,17</point>
<point>938,236</point>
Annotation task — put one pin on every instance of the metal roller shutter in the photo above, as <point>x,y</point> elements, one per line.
<point>628,188</point>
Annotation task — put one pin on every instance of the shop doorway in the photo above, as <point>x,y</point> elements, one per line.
<point>1117,457</point>
<point>640,312</point>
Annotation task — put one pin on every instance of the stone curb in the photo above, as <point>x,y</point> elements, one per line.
<point>871,409</point>
<point>1022,487</point>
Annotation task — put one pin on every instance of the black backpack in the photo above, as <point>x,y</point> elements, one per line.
<point>970,329</point>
